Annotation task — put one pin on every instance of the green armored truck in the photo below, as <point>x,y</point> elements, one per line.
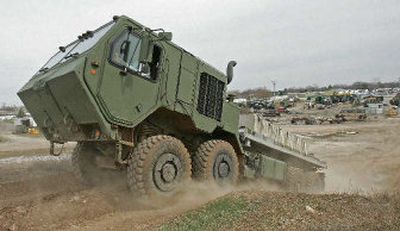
<point>130,97</point>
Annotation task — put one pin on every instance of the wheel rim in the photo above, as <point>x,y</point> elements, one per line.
<point>222,169</point>
<point>167,172</point>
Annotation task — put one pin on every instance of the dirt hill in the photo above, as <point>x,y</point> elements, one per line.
<point>39,192</point>
<point>290,211</point>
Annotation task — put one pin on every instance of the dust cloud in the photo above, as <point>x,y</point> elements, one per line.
<point>41,193</point>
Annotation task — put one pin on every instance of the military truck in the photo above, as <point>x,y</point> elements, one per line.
<point>130,97</point>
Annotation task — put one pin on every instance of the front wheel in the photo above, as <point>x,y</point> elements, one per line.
<point>159,165</point>
<point>216,161</point>
<point>84,164</point>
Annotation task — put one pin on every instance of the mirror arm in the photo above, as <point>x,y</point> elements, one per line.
<point>124,72</point>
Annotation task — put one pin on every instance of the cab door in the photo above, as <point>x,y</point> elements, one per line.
<point>126,95</point>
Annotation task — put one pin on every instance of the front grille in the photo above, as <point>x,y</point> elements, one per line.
<point>210,99</point>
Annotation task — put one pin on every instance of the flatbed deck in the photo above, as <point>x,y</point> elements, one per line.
<point>249,140</point>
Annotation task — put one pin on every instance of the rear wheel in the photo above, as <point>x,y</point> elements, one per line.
<point>159,165</point>
<point>216,161</point>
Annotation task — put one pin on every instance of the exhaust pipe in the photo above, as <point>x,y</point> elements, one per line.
<point>229,70</point>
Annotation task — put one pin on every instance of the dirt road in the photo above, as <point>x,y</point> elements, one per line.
<point>361,156</point>
<point>39,192</point>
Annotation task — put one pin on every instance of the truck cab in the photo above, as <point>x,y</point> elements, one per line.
<point>118,75</point>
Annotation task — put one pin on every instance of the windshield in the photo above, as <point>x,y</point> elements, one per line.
<point>125,51</point>
<point>84,43</point>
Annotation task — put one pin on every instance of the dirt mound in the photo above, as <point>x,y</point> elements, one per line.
<point>38,196</point>
<point>108,206</point>
<point>39,192</point>
<point>53,211</point>
<point>290,211</point>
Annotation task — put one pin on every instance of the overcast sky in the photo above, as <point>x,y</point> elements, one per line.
<point>296,43</point>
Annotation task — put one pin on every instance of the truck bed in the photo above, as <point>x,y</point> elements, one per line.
<point>249,141</point>
<point>260,136</point>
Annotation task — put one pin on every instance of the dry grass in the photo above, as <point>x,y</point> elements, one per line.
<point>290,211</point>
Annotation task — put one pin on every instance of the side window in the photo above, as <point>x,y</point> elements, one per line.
<point>155,62</point>
<point>125,51</point>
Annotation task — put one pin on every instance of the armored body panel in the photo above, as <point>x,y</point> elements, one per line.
<point>124,86</point>
<point>97,83</point>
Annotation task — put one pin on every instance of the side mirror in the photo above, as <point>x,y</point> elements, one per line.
<point>165,36</point>
<point>145,68</point>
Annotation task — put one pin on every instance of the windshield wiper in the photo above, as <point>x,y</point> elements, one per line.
<point>71,55</point>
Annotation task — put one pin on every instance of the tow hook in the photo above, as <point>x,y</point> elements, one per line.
<point>52,149</point>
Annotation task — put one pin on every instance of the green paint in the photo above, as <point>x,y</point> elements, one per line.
<point>272,168</point>
<point>102,85</point>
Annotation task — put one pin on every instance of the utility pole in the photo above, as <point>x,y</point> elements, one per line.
<point>274,86</point>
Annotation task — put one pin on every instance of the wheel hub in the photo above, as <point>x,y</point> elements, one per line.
<point>222,168</point>
<point>167,172</point>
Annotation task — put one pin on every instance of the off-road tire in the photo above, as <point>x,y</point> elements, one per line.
<point>84,163</point>
<point>204,162</point>
<point>142,177</point>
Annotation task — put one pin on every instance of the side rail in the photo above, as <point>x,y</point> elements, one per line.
<point>279,136</point>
